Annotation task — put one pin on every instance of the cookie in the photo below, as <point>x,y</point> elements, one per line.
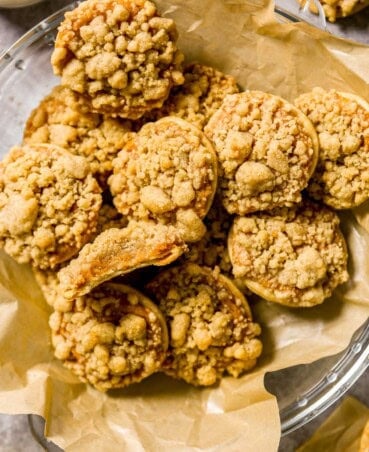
<point>195,101</point>
<point>292,256</point>
<point>211,331</point>
<point>336,9</point>
<point>166,173</point>
<point>120,251</point>
<point>120,54</point>
<point>63,118</point>
<point>49,204</point>
<point>341,179</point>
<point>267,150</point>
<point>112,337</point>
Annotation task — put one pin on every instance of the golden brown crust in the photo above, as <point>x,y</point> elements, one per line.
<point>341,179</point>
<point>112,337</point>
<point>49,204</point>
<point>295,257</point>
<point>63,118</point>
<point>118,251</point>
<point>267,150</point>
<point>120,54</point>
<point>210,325</point>
<point>168,172</point>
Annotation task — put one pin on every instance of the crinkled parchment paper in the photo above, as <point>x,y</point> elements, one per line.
<point>342,430</point>
<point>241,38</point>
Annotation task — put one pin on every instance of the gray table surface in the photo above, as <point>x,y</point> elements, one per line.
<point>15,434</point>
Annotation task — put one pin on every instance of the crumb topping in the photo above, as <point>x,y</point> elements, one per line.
<point>63,118</point>
<point>211,251</point>
<point>210,326</point>
<point>111,338</point>
<point>195,101</point>
<point>267,151</point>
<point>341,120</point>
<point>293,256</point>
<point>49,204</point>
<point>109,218</point>
<point>120,54</point>
<point>168,172</point>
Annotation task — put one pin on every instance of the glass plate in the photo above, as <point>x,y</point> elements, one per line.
<point>25,78</point>
<point>291,11</point>
<point>354,27</point>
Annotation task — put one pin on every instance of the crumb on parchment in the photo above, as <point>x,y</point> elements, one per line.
<point>336,9</point>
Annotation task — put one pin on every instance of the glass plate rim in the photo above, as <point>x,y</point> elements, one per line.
<point>344,373</point>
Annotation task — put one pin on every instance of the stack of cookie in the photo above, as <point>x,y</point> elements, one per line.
<point>150,195</point>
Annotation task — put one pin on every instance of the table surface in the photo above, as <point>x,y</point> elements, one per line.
<point>15,434</point>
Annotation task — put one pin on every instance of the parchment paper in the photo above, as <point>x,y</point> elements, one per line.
<point>241,38</point>
<point>341,431</point>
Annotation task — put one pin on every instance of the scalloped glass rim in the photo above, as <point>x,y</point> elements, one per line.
<point>291,11</point>
<point>350,364</point>
<point>35,33</point>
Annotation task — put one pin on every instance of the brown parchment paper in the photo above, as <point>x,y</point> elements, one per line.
<point>242,38</point>
<point>341,431</point>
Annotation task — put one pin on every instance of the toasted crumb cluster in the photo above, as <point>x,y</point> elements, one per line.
<point>341,179</point>
<point>293,256</point>
<point>335,9</point>
<point>49,204</point>
<point>116,251</point>
<point>211,251</point>
<point>168,172</point>
<point>195,101</point>
<point>267,151</point>
<point>111,338</point>
<point>63,118</point>
<point>210,326</point>
<point>120,54</point>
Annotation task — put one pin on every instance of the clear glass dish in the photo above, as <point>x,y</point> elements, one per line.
<point>355,27</point>
<point>291,11</point>
<point>25,77</point>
